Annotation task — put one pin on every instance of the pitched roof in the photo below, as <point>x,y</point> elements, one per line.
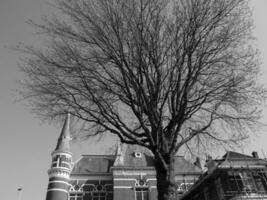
<point>234,159</point>
<point>93,164</point>
<point>146,159</point>
<point>230,155</point>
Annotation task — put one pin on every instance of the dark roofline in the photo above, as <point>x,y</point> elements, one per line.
<point>152,168</point>
<point>108,155</point>
<point>243,156</point>
<point>92,174</point>
<point>98,155</point>
<point>237,159</point>
<point>131,167</point>
<point>188,173</point>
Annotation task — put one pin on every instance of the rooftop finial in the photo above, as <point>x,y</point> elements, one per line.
<point>119,155</point>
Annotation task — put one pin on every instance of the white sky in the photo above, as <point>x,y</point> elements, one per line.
<point>26,143</point>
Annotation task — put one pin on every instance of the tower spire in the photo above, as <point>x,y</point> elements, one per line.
<point>59,172</point>
<point>64,138</point>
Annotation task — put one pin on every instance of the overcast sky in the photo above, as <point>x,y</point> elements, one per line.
<point>26,143</point>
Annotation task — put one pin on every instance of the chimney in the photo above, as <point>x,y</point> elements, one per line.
<point>255,154</point>
<point>197,163</point>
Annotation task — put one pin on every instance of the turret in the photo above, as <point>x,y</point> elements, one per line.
<point>59,172</point>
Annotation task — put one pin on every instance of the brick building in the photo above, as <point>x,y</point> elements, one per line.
<point>128,174</point>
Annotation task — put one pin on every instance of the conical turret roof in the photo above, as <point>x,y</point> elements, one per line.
<point>63,143</point>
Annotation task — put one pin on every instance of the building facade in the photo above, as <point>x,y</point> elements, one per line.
<point>128,174</point>
<point>234,177</point>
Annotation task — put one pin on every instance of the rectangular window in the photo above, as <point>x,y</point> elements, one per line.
<point>248,182</point>
<point>235,182</point>
<point>260,181</point>
<point>76,196</point>
<point>141,193</point>
<point>54,164</point>
<point>245,181</point>
<point>99,196</point>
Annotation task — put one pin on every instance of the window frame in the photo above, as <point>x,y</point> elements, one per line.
<point>142,191</point>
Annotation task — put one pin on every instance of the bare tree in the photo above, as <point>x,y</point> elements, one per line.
<point>162,74</point>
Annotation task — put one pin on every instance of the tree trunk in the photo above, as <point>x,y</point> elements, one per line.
<point>166,180</point>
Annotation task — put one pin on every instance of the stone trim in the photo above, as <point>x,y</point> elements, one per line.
<point>57,189</point>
